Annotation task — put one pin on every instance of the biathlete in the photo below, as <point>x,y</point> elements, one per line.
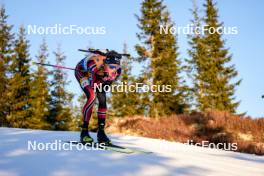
<point>99,67</point>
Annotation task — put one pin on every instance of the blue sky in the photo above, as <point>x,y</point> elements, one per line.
<point>118,18</point>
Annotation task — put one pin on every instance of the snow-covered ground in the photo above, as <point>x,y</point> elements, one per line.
<point>169,158</point>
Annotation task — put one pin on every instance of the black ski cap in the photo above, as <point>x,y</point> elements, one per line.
<point>112,57</point>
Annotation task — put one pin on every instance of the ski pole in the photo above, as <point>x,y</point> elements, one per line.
<point>55,66</point>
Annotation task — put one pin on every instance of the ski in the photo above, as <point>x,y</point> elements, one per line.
<point>114,147</point>
<point>139,150</point>
<point>131,149</point>
<point>110,147</point>
<point>118,148</point>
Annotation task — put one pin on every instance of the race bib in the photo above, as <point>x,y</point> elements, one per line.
<point>84,82</point>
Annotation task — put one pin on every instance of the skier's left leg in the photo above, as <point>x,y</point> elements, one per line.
<point>87,112</point>
<point>88,107</point>
<point>101,114</point>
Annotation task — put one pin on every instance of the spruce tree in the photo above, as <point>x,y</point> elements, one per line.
<point>166,69</point>
<point>39,94</point>
<point>195,52</point>
<point>19,83</point>
<point>213,80</point>
<point>6,51</point>
<point>159,49</point>
<point>60,105</point>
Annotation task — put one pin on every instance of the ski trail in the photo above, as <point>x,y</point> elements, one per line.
<point>168,158</point>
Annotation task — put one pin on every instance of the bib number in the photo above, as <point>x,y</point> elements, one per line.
<point>84,82</point>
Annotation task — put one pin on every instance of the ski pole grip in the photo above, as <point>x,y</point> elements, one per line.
<point>82,50</point>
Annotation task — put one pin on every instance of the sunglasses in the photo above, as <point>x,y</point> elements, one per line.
<point>114,66</point>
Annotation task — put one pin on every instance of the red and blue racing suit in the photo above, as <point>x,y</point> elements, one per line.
<point>87,75</point>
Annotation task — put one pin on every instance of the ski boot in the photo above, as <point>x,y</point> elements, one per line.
<point>85,137</point>
<point>101,136</point>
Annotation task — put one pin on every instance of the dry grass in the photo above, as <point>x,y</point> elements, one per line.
<point>213,126</point>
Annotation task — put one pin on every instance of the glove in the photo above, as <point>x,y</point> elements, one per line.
<point>108,82</point>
